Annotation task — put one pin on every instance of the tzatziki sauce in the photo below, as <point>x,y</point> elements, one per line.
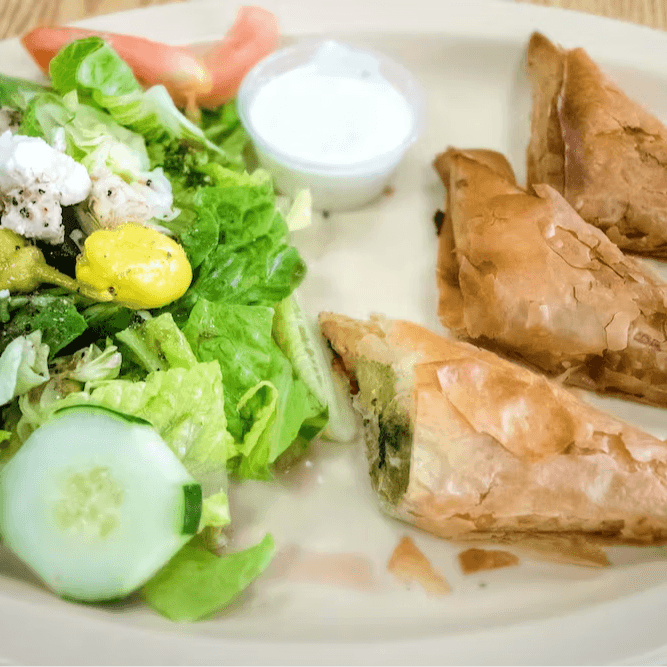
<point>335,110</point>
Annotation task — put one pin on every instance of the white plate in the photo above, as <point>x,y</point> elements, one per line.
<point>469,56</point>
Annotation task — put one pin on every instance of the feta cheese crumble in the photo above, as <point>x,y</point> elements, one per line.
<point>36,180</point>
<point>113,200</point>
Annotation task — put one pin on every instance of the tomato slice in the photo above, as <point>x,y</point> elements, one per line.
<point>181,72</point>
<point>252,37</point>
<point>209,80</point>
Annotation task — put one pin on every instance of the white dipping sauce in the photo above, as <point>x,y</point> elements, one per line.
<point>336,110</point>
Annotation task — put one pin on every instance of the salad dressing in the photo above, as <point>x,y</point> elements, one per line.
<point>335,110</point>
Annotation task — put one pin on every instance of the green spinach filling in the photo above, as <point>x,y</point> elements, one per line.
<point>388,430</point>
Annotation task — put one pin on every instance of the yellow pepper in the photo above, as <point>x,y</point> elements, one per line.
<point>23,269</point>
<point>139,266</point>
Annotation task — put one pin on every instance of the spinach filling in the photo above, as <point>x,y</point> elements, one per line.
<point>388,430</point>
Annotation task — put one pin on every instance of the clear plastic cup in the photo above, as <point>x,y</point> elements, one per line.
<point>333,186</point>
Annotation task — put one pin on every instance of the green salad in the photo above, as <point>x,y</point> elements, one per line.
<point>120,423</point>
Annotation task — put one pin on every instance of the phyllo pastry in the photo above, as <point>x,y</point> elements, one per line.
<point>601,150</point>
<point>465,444</point>
<point>520,272</point>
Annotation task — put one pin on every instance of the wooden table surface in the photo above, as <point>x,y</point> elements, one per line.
<point>18,16</point>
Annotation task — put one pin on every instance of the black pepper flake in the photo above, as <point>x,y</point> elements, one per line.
<point>15,201</point>
<point>109,193</point>
<point>41,191</point>
<point>325,214</point>
<point>25,213</point>
<point>149,182</point>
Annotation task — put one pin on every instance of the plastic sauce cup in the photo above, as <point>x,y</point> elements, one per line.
<point>331,117</point>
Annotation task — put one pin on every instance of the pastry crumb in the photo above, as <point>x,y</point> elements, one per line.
<point>475,560</point>
<point>408,564</point>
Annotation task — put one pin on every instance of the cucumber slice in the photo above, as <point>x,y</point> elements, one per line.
<point>95,503</point>
<point>305,350</point>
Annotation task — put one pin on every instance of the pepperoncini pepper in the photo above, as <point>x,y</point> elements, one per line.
<point>140,266</point>
<point>23,269</point>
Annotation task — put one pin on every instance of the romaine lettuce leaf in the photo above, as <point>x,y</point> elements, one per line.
<point>92,136</point>
<point>267,407</point>
<point>241,205</point>
<point>186,165</point>
<point>233,210</point>
<point>223,127</point>
<point>158,344</point>
<point>238,338</point>
<point>70,374</point>
<point>263,272</point>
<point>55,316</point>
<point>92,64</point>
<point>215,509</point>
<point>44,114</point>
<point>17,93</point>
<point>234,236</point>
<point>286,420</point>
<point>23,365</point>
<point>92,68</point>
<point>90,364</point>
<point>303,345</point>
<point>196,583</point>
<point>185,406</point>
<point>4,306</point>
